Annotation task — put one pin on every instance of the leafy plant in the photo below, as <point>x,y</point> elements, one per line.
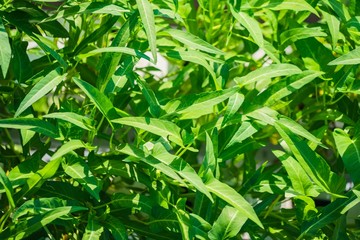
<point>179,119</point>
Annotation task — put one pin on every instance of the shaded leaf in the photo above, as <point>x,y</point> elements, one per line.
<point>4,180</point>
<point>78,169</point>
<point>93,229</point>
<point>33,124</point>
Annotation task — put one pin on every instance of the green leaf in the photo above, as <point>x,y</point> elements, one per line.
<point>228,224</point>
<point>74,118</point>
<point>274,70</point>
<point>296,128</point>
<point>229,195</point>
<point>110,60</point>
<point>294,34</point>
<point>125,50</point>
<point>181,167</point>
<point>250,24</point>
<point>85,8</point>
<point>148,159</point>
<point>134,201</point>
<point>78,169</point>
<point>68,147</point>
<point>314,165</point>
<point>35,223</point>
<point>334,27</point>
<point>4,180</point>
<point>351,58</point>
<point>150,97</point>
<point>194,57</point>
<point>116,227</point>
<point>147,18</point>
<point>349,150</point>
<point>38,206</point>
<point>294,5</point>
<point>195,106</point>
<point>40,89</point>
<point>286,87</point>
<point>298,177</point>
<point>34,182</point>
<point>327,214</point>
<point>245,131</point>
<point>99,99</point>
<point>193,41</point>
<point>5,50</point>
<point>234,103</point>
<point>33,124</point>
<point>163,128</point>
<point>93,229</point>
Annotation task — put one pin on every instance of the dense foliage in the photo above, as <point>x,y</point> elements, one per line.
<point>249,127</point>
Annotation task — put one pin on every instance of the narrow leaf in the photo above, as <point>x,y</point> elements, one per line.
<point>34,182</point>
<point>158,127</point>
<point>90,7</point>
<point>40,89</point>
<point>250,24</point>
<point>229,195</point>
<point>228,224</point>
<point>33,124</point>
<point>274,70</point>
<point>116,227</point>
<point>235,102</point>
<point>195,106</point>
<point>193,41</point>
<point>99,99</point>
<point>4,180</point>
<point>351,58</point>
<point>294,34</point>
<point>298,177</point>
<point>181,167</point>
<point>5,50</point>
<point>245,131</point>
<point>32,225</point>
<point>147,18</point>
<point>125,50</point>
<point>68,147</point>
<point>93,229</point>
<point>78,169</point>
<point>74,118</point>
<point>349,150</point>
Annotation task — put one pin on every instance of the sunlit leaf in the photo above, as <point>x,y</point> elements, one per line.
<point>5,50</point>
<point>349,150</point>
<point>229,195</point>
<point>228,224</point>
<point>40,89</point>
<point>147,18</point>
<point>193,41</point>
<point>351,58</point>
<point>163,128</point>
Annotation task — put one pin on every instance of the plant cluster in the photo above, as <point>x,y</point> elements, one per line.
<point>249,128</point>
